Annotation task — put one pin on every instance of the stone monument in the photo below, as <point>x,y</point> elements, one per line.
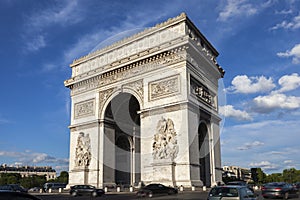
<point>145,109</point>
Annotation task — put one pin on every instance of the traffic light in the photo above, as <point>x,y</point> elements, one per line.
<point>254,175</point>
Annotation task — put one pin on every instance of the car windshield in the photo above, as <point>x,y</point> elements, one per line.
<point>224,192</point>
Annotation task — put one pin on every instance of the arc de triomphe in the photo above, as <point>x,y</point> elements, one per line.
<point>146,109</point>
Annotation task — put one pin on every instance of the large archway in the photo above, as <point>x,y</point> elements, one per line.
<point>123,120</point>
<point>204,154</point>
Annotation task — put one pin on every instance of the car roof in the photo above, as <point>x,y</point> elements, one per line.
<point>231,186</point>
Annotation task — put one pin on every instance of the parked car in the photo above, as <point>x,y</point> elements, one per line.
<point>79,190</point>
<point>231,192</point>
<point>10,195</point>
<point>156,189</point>
<point>278,189</point>
<point>13,188</point>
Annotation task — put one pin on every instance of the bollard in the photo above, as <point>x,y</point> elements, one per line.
<point>118,189</point>
<point>193,188</point>
<point>59,190</point>
<point>181,188</point>
<point>204,188</point>
<point>50,190</point>
<point>105,189</point>
<point>131,189</point>
<point>41,190</point>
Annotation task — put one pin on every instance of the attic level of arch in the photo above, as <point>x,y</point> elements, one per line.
<point>130,70</point>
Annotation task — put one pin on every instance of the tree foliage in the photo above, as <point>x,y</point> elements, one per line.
<point>31,181</point>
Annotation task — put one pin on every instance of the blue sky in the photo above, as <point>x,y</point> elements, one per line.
<point>259,46</point>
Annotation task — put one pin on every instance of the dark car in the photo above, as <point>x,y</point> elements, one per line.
<point>278,189</point>
<point>10,195</point>
<point>297,185</point>
<point>231,192</point>
<point>78,190</point>
<point>13,188</point>
<point>156,189</point>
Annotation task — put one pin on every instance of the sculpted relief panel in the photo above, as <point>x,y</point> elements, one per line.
<point>164,88</point>
<point>84,109</point>
<point>165,141</point>
<point>83,151</point>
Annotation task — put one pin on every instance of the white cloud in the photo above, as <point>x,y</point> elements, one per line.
<point>289,82</point>
<point>269,103</point>
<point>284,12</point>
<point>248,146</point>
<point>236,8</point>
<point>35,44</point>
<point>33,158</point>
<point>229,111</point>
<point>293,24</point>
<point>64,13</point>
<point>246,85</point>
<point>265,165</point>
<point>294,53</point>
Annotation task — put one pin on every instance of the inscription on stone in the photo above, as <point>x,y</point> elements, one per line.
<point>84,109</point>
<point>164,88</point>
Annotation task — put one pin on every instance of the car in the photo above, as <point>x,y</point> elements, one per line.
<point>13,188</point>
<point>53,186</point>
<point>297,185</point>
<point>231,192</point>
<point>79,190</point>
<point>156,189</point>
<point>278,189</point>
<point>34,189</point>
<point>241,183</point>
<point>11,195</point>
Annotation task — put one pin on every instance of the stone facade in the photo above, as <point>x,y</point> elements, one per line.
<point>146,109</point>
<point>26,171</point>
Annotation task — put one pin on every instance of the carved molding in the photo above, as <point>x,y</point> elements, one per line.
<point>83,151</point>
<point>164,88</point>
<point>84,109</point>
<point>138,87</point>
<point>103,96</point>
<point>165,141</point>
<point>128,71</point>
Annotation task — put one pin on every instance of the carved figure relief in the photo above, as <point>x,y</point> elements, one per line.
<point>84,109</point>
<point>83,151</point>
<point>165,142</point>
<point>164,88</point>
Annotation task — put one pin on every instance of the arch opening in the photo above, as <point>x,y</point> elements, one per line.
<point>204,154</point>
<point>122,129</point>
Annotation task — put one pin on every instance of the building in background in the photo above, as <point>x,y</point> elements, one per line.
<point>26,171</point>
<point>239,173</point>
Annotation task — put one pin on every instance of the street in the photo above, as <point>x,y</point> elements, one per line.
<point>188,195</point>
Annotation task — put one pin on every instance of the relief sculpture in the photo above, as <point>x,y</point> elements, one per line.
<point>165,142</point>
<point>83,151</point>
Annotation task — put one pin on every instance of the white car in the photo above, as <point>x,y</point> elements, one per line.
<point>231,192</point>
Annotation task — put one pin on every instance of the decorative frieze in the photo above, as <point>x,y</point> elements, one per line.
<point>164,88</point>
<point>165,141</point>
<point>84,109</point>
<point>132,70</point>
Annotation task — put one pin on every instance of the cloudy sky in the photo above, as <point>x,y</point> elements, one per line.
<point>259,46</point>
